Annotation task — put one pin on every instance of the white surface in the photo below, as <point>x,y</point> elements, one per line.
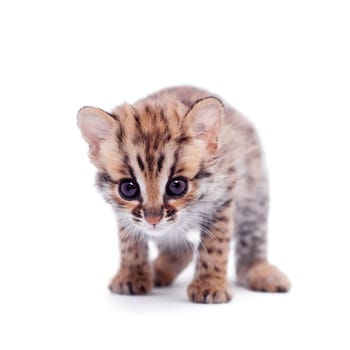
<point>284,64</point>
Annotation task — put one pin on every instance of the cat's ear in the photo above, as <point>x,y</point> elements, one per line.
<point>96,126</point>
<point>204,121</point>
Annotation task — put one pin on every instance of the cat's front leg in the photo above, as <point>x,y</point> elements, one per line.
<point>135,274</point>
<point>209,284</point>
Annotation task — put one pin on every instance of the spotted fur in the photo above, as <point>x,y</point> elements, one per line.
<point>188,134</point>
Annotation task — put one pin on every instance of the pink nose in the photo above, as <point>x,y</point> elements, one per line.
<point>153,219</point>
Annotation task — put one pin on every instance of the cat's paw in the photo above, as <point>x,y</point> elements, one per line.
<point>265,278</point>
<point>162,278</point>
<point>209,290</point>
<point>131,282</point>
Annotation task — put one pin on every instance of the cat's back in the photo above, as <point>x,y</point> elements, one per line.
<point>188,95</point>
<point>236,130</point>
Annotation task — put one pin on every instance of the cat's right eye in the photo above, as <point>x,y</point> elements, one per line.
<point>129,189</point>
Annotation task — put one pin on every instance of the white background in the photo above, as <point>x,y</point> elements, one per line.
<point>285,64</point>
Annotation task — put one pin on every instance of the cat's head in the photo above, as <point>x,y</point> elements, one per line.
<point>153,160</point>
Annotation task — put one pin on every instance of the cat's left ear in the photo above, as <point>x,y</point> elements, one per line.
<point>204,121</point>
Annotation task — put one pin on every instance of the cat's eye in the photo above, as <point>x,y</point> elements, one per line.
<point>176,187</point>
<point>129,189</point>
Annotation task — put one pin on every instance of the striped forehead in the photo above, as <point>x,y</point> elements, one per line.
<point>152,173</point>
<point>150,132</point>
<point>154,147</point>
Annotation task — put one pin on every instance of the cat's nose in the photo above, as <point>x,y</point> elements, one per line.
<point>153,220</point>
<point>153,215</point>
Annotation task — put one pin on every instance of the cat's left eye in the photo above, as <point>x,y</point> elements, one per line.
<point>176,187</point>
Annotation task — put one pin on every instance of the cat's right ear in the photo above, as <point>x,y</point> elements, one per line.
<point>204,120</point>
<point>96,127</point>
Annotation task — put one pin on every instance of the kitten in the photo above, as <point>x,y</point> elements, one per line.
<point>179,160</point>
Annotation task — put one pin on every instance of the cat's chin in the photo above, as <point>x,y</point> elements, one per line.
<point>159,232</point>
<point>156,233</point>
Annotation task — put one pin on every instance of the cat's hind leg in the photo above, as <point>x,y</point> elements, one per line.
<point>170,262</point>
<point>251,214</point>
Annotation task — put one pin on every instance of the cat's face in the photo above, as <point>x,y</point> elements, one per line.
<point>152,160</point>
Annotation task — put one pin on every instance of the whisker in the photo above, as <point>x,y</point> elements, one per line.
<point>204,230</point>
